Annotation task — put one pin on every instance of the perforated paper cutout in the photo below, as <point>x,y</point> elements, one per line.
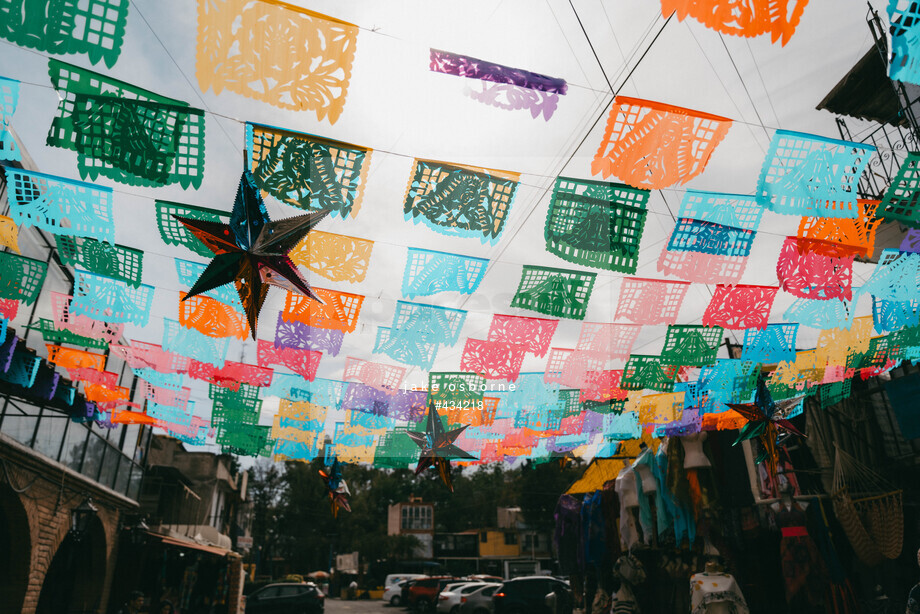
<point>110,300</point>
<point>231,375</point>
<point>690,345</point>
<point>809,175</point>
<point>514,98</point>
<point>650,301</point>
<point>92,27</point>
<point>162,380</point>
<point>51,334</point>
<point>902,17</point>
<point>856,234</point>
<point>60,206</point>
<point>429,272</point>
<point>733,210</point>
<point>408,405</point>
<point>94,376</point>
<point>614,341</point>
<point>333,256</point>
<point>70,358</point>
<point>427,323</point>
<point>193,344</point>
<point>102,143</point>
<point>493,359</point>
<point>189,272</point>
<point>210,317</point>
<point>245,440</point>
<point>890,316</point>
<point>9,98</point>
<point>535,334</point>
<point>778,18</point>
<point>596,224</point>
<point>709,238</point>
<point>307,171</point>
<point>771,344</point>
<point>277,53</point>
<point>301,336</point>
<point>654,145</point>
<point>555,292</point>
<point>107,398</point>
<point>384,377</point>
<point>823,314</point>
<point>728,381</point>
<point>115,261</point>
<point>900,202</point>
<point>702,268</point>
<point>302,362</point>
<point>648,372</point>
<point>837,346</point>
<point>739,307</point>
<point>139,138</point>
<point>473,68</point>
<point>65,319</point>
<point>603,386</point>
<point>573,368</point>
<point>896,276</point>
<point>141,355</point>
<point>174,232</point>
<point>166,396</point>
<point>9,233</point>
<point>22,368</point>
<point>21,278</point>
<point>457,200</point>
<point>338,311</point>
<point>806,270</point>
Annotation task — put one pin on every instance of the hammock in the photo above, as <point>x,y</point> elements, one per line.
<point>869,509</point>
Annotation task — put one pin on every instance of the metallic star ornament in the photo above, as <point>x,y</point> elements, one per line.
<point>765,419</point>
<point>336,487</point>
<point>438,446</point>
<point>252,251</point>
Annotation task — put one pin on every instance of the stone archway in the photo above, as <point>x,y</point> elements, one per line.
<point>15,549</point>
<point>75,579</point>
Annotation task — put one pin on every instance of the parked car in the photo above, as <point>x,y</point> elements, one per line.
<point>449,599</point>
<point>478,601</point>
<point>423,592</point>
<point>396,578</point>
<point>404,593</point>
<point>296,598</point>
<point>526,595</point>
<point>393,593</point>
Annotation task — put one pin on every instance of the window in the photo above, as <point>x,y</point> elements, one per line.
<point>484,537</point>
<point>416,517</point>
<point>511,539</point>
<point>488,591</point>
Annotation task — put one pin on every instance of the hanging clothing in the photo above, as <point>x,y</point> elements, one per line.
<point>645,487</point>
<point>669,512</point>
<point>707,590</point>
<point>567,537</point>
<point>802,567</point>
<point>610,504</point>
<point>592,523</point>
<point>625,486</point>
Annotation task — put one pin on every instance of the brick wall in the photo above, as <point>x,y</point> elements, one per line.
<point>48,492</point>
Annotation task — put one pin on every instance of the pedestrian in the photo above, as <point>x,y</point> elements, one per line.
<point>134,603</point>
<point>352,590</point>
<point>166,607</point>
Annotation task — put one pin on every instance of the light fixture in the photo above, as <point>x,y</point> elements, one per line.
<point>80,518</point>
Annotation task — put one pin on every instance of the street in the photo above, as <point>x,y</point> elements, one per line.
<point>335,606</point>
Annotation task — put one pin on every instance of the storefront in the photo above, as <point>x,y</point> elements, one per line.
<point>193,577</point>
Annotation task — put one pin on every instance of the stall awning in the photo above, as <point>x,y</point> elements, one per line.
<point>181,543</point>
<point>599,472</point>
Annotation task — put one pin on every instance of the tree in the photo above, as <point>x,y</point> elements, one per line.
<point>266,488</point>
<point>541,486</point>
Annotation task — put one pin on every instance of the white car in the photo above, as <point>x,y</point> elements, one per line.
<point>449,599</point>
<point>393,593</point>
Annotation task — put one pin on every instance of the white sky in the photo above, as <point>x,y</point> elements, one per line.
<point>396,105</point>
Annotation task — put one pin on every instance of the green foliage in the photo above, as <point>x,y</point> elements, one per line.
<point>292,517</point>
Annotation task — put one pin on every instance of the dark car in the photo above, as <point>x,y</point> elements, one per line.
<point>526,595</point>
<point>289,598</point>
